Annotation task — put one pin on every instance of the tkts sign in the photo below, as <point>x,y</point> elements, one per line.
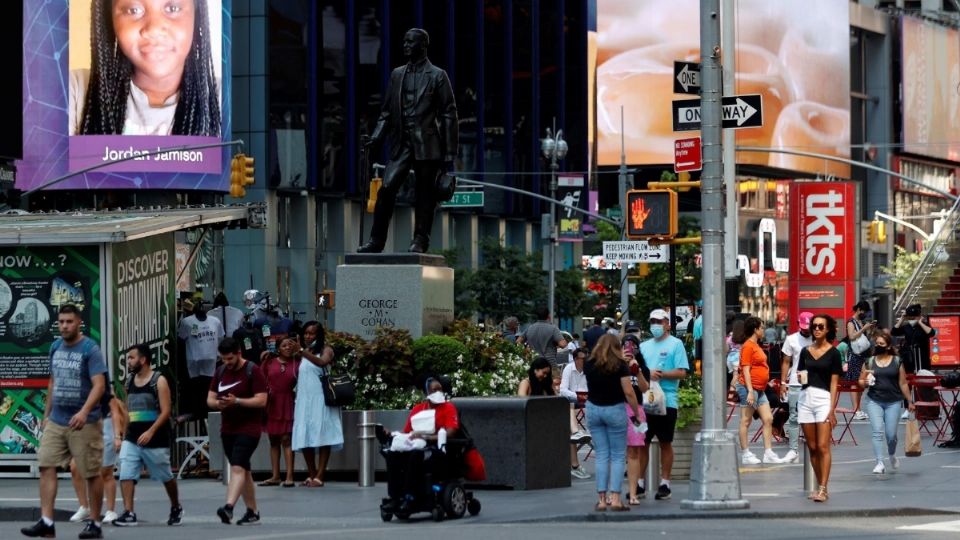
<point>823,249</point>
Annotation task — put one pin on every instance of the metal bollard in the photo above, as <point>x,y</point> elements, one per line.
<point>809,478</point>
<point>367,437</point>
<point>652,479</point>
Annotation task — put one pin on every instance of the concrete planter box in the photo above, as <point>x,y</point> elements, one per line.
<point>683,450</point>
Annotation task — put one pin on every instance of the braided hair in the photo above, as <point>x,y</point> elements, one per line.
<point>105,107</point>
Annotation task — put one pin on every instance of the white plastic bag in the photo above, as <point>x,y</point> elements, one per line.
<point>402,442</point>
<point>654,402</point>
<point>424,421</point>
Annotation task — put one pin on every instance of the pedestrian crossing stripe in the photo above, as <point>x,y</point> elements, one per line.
<point>940,526</point>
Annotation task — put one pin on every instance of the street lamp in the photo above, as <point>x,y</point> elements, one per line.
<point>554,149</point>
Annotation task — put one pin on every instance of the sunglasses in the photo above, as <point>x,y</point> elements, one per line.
<point>818,326</point>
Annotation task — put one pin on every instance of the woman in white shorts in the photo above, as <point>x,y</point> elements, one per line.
<point>819,371</point>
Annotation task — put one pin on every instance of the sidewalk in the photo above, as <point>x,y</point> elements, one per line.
<point>923,485</point>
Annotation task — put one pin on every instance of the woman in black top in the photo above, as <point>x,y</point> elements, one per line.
<point>886,380</point>
<point>819,372</point>
<point>608,386</point>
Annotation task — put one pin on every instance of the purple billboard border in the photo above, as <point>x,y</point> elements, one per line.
<point>45,92</point>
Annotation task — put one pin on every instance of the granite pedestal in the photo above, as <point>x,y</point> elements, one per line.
<point>399,290</point>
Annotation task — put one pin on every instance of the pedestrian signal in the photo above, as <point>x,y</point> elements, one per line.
<point>651,213</point>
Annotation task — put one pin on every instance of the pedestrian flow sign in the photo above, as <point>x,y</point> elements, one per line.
<point>638,251</point>
<point>739,112</point>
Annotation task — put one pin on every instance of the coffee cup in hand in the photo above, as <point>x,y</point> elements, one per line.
<point>802,376</point>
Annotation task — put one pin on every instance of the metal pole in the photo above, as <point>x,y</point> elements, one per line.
<point>673,291</point>
<point>714,478</point>
<point>553,226</point>
<point>367,437</point>
<point>625,213</point>
<point>730,222</point>
<point>652,478</point>
<point>809,477</point>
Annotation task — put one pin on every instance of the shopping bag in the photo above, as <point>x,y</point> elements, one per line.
<point>654,402</point>
<point>912,445</point>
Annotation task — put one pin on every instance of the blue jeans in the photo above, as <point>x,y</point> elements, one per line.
<point>884,420</point>
<point>793,427</point>
<point>608,427</point>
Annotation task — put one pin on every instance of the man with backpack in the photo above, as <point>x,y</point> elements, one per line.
<point>147,443</point>
<point>239,391</point>
<point>72,425</point>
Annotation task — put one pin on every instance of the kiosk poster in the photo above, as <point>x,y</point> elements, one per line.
<point>144,301</point>
<point>34,283</point>
<point>945,345</point>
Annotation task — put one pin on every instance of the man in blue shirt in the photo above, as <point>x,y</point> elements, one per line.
<point>666,357</point>
<point>72,426</point>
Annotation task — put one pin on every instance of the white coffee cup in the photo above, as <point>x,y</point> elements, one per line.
<point>802,376</point>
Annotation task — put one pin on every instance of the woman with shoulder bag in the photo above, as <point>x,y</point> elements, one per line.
<point>886,382</point>
<point>859,330</point>
<point>316,426</point>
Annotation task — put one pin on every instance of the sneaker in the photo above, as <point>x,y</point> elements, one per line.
<point>109,516</point>
<point>578,472</point>
<point>894,462</point>
<point>225,513</point>
<point>39,530</point>
<point>663,493</point>
<point>250,518</point>
<point>905,415</point>
<point>748,458</point>
<point>92,530</point>
<point>641,491</point>
<point>790,457</point>
<point>879,469</point>
<point>770,457</point>
<point>580,437</point>
<point>860,415</point>
<point>126,519</point>
<point>82,514</point>
<point>176,516</point>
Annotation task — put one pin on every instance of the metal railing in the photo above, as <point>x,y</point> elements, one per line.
<point>933,256</point>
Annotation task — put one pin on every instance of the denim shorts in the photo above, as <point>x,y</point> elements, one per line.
<point>761,397</point>
<point>134,457</point>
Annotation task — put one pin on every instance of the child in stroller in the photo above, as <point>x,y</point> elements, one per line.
<point>426,466</point>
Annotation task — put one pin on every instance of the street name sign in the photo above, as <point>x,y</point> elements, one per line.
<point>686,155</point>
<point>739,112</point>
<point>686,77</point>
<point>465,199</point>
<point>638,251</point>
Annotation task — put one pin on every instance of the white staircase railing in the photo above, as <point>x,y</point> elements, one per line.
<point>934,257</point>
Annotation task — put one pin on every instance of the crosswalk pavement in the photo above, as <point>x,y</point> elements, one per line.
<point>938,526</point>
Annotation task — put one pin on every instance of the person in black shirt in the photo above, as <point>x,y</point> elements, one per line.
<point>915,349</point>
<point>819,372</point>
<point>593,334</point>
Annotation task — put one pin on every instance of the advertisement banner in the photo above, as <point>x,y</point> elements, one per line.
<point>121,94</point>
<point>794,53</point>
<point>945,346</point>
<point>34,283</point>
<point>931,106</point>
<point>823,250</point>
<point>144,301</point>
<point>570,190</point>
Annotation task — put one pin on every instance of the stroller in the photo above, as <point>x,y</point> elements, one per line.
<point>439,489</point>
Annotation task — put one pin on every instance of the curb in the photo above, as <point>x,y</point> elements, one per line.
<point>30,514</point>
<point>600,517</point>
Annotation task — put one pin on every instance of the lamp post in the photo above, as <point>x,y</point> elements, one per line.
<point>554,149</point>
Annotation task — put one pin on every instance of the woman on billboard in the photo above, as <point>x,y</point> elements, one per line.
<point>151,71</point>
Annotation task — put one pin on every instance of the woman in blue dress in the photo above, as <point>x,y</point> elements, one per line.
<point>316,427</point>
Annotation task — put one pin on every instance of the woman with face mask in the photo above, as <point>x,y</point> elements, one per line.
<point>885,379</point>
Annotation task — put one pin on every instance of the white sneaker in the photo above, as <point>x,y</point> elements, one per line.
<point>747,458</point>
<point>769,457</point>
<point>579,472</point>
<point>860,415</point>
<point>109,516</point>
<point>879,469</point>
<point>905,415</point>
<point>83,513</point>
<point>894,462</point>
<point>790,457</point>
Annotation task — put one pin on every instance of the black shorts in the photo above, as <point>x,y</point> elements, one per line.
<point>239,448</point>
<point>662,426</point>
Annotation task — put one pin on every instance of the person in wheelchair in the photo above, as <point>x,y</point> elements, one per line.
<point>428,453</point>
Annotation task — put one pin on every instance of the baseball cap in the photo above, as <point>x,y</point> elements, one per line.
<point>632,326</point>
<point>659,314</point>
<point>913,310</point>
<point>804,320</point>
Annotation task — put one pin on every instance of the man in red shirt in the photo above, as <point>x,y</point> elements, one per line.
<point>239,391</point>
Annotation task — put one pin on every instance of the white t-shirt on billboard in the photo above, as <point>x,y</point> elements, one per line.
<point>792,346</point>
<point>141,117</point>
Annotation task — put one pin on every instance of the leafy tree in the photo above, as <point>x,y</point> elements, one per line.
<point>569,298</point>
<point>508,282</point>
<point>904,264</point>
<point>464,301</point>
<point>653,291</point>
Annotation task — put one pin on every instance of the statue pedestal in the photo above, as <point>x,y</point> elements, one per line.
<point>401,290</point>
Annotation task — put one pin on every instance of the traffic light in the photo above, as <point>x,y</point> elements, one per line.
<point>872,232</point>
<point>325,299</point>
<point>881,232</point>
<point>651,213</point>
<point>241,174</point>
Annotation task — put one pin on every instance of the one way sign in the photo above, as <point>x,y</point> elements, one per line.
<point>739,112</point>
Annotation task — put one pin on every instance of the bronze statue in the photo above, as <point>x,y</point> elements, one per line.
<point>419,119</point>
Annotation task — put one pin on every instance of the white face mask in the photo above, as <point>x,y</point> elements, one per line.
<point>912,322</point>
<point>437,397</point>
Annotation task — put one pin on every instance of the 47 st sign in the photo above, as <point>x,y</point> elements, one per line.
<point>739,112</point>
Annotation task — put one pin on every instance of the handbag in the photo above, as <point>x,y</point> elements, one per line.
<point>446,186</point>
<point>338,390</point>
<point>654,402</point>
<point>912,447</point>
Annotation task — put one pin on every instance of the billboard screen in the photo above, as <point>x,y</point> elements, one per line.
<point>106,80</point>
<point>794,53</point>
<point>931,75</point>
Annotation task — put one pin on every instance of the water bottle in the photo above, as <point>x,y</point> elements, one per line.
<point>442,439</point>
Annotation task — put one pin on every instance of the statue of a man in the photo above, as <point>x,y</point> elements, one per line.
<point>419,119</point>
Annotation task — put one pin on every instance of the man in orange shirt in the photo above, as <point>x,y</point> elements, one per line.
<point>754,376</point>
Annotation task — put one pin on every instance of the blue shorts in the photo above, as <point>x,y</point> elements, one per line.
<point>760,397</point>
<point>133,458</point>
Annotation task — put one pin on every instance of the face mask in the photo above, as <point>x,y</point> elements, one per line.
<point>862,316</point>
<point>656,330</point>
<point>437,397</point>
<point>912,322</point>
<point>881,350</point>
